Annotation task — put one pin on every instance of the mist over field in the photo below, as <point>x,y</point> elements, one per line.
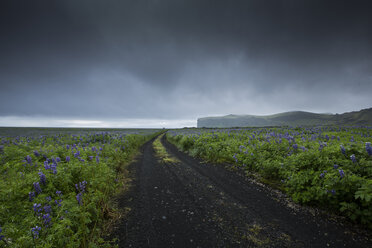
<point>166,63</point>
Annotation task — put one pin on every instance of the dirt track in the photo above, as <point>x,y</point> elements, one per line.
<point>195,204</point>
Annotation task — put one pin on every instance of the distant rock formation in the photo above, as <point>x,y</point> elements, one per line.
<point>295,118</point>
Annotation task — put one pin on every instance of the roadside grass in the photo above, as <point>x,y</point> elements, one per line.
<point>113,213</point>
<point>162,153</point>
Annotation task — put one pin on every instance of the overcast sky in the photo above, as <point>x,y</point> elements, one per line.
<point>141,63</point>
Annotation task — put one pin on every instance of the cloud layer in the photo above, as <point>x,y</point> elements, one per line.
<point>177,60</point>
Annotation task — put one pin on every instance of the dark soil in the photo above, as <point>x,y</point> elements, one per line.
<point>196,204</point>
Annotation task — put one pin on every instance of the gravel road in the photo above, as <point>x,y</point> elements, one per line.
<point>195,204</point>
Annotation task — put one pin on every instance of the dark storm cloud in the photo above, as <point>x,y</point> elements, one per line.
<point>182,59</point>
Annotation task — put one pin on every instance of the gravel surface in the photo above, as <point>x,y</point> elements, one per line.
<point>196,204</point>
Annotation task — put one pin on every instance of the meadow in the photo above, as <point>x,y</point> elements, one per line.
<point>327,167</point>
<point>56,184</point>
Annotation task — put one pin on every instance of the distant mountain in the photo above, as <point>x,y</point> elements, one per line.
<point>295,118</point>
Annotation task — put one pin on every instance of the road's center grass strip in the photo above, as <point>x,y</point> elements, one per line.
<point>162,153</point>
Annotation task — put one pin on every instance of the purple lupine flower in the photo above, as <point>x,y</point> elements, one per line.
<point>58,159</point>
<point>1,236</point>
<point>79,198</point>
<point>352,157</point>
<point>295,146</point>
<point>46,219</point>
<point>31,196</point>
<point>81,186</point>
<point>90,158</point>
<point>322,175</point>
<point>37,188</point>
<point>36,153</point>
<point>67,158</point>
<point>333,192</point>
<point>235,158</point>
<point>97,159</point>
<point>47,209</point>
<point>29,159</point>
<point>59,193</point>
<point>37,208</point>
<point>352,139</point>
<point>321,146</point>
<point>42,177</point>
<point>342,173</point>
<point>1,149</point>
<point>35,232</point>
<point>335,166</point>
<point>48,198</point>
<point>369,148</point>
<point>58,202</point>
<point>343,151</point>
<point>46,165</point>
<point>67,147</point>
<point>53,167</point>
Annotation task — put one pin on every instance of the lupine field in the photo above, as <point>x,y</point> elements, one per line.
<point>327,167</point>
<point>55,184</point>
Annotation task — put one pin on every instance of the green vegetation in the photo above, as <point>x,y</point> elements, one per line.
<point>162,153</point>
<point>297,118</point>
<point>329,167</point>
<point>56,188</point>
